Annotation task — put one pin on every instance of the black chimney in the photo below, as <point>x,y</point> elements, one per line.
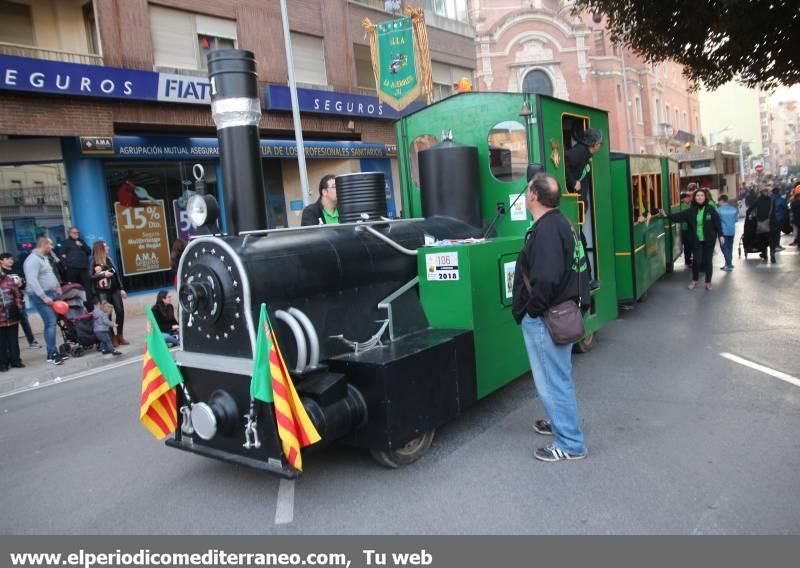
<point>236,109</point>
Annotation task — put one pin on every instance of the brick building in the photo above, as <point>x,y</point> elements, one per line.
<point>112,94</point>
<point>540,46</point>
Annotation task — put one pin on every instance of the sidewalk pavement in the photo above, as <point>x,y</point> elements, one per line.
<point>39,372</point>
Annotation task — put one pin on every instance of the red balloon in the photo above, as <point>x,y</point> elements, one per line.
<point>61,308</point>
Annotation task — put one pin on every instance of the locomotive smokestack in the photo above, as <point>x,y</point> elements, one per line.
<point>236,110</point>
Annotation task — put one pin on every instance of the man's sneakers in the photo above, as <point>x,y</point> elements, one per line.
<point>55,360</point>
<point>543,427</point>
<point>115,353</point>
<point>35,345</point>
<point>553,454</point>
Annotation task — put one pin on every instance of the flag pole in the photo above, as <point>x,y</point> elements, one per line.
<point>298,129</point>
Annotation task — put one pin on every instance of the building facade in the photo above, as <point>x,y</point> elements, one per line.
<point>541,46</point>
<point>783,131</point>
<point>104,108</point>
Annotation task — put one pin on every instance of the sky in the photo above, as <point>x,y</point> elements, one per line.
<point>786,94</point>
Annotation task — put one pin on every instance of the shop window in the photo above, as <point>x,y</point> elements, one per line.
<point>16,23</point>
<point>420,143</point>
<point>31,205</point>
<point>508,151</point>
<point>309,59</point>
<point>142,191</point>
<point>182,40</point>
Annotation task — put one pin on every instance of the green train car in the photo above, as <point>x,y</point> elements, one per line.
<point>510,131</point>
<point>672,203</point>
<point>639,231</point>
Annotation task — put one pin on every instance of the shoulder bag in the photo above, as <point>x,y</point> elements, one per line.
<point>563,321</point>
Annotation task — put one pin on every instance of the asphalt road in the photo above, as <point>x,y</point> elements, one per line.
<point>681,440</point>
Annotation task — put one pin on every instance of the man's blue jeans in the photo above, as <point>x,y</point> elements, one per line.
<point>727,249</point>
<point>551,365</point>
<point>49,319</point>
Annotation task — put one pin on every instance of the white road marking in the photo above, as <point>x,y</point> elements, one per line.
<point>766,370</point>
<point>80,375</point>
<point>61,380</point>
<point>284,508</point>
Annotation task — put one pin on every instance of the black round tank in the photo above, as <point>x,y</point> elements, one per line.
<point>358,193</point>
<point>449,182</point>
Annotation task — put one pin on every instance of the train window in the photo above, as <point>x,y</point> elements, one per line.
<point>508,151</point>
<point>420,143</point>
<point>637,197</point>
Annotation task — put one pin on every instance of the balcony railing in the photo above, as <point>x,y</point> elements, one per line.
<point>50,54</point>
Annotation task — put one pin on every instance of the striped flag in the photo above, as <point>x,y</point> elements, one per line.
<point>271,383</point>
<point>160,376</point>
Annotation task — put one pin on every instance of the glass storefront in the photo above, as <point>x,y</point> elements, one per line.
<point>33,202</point>
<point>147,203</point>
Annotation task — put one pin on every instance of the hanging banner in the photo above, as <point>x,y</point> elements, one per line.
<point>401,60</point>
<point>143,241</point>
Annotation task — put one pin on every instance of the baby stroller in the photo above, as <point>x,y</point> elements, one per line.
<point>750,241</point>
<point>77,326</point>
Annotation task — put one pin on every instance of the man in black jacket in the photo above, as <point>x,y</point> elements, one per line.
<point>554,262</point>
<point>75,255</point>
<point>323,211</point>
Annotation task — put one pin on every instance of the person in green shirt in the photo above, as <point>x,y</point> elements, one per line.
<point>705,227</point>
<point>323,211</point>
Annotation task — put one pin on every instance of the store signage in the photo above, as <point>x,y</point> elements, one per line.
<point>56,77</point>
<point>143,240</point>
<point>25,230</point>
<point>97,145</point>
<point>277,97</point>
<point>181,148</point>
<point>183,227</point>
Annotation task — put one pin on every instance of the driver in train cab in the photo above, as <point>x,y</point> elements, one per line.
<point>576,168</point>
<point>323,211</point>
<point>577,158</point>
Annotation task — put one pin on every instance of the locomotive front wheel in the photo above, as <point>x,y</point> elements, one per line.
<point>584,345</point>
<point>406,455</point>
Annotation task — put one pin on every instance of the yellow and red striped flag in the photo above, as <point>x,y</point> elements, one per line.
<point>271,383</point>
<point>160,376</point>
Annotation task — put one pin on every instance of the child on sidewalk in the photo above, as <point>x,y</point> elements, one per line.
<point>103,326</point>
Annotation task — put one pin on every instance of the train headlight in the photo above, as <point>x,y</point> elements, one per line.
<point>202,210</point>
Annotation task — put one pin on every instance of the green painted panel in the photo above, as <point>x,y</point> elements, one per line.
<point>471,117</point>
<point>549,122</point>
<point>477,300</point>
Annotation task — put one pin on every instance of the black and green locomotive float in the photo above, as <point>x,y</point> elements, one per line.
<point>393,327</point>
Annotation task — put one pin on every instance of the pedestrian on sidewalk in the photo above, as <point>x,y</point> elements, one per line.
<point>705,228</point>
<point>108,287</point>
<point>75,256</point>
<point>781,211</point>
<point>547,273</point>
<point>10,313</point>
<point>767,231</point>
<point>43,289</point>
<point>103,328</point>
<point>7,266</point>
<point>164,312</point>
<point>728,214</point>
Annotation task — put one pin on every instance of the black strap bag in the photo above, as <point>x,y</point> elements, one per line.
<point>762,227</point>
<point>563,321</point>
